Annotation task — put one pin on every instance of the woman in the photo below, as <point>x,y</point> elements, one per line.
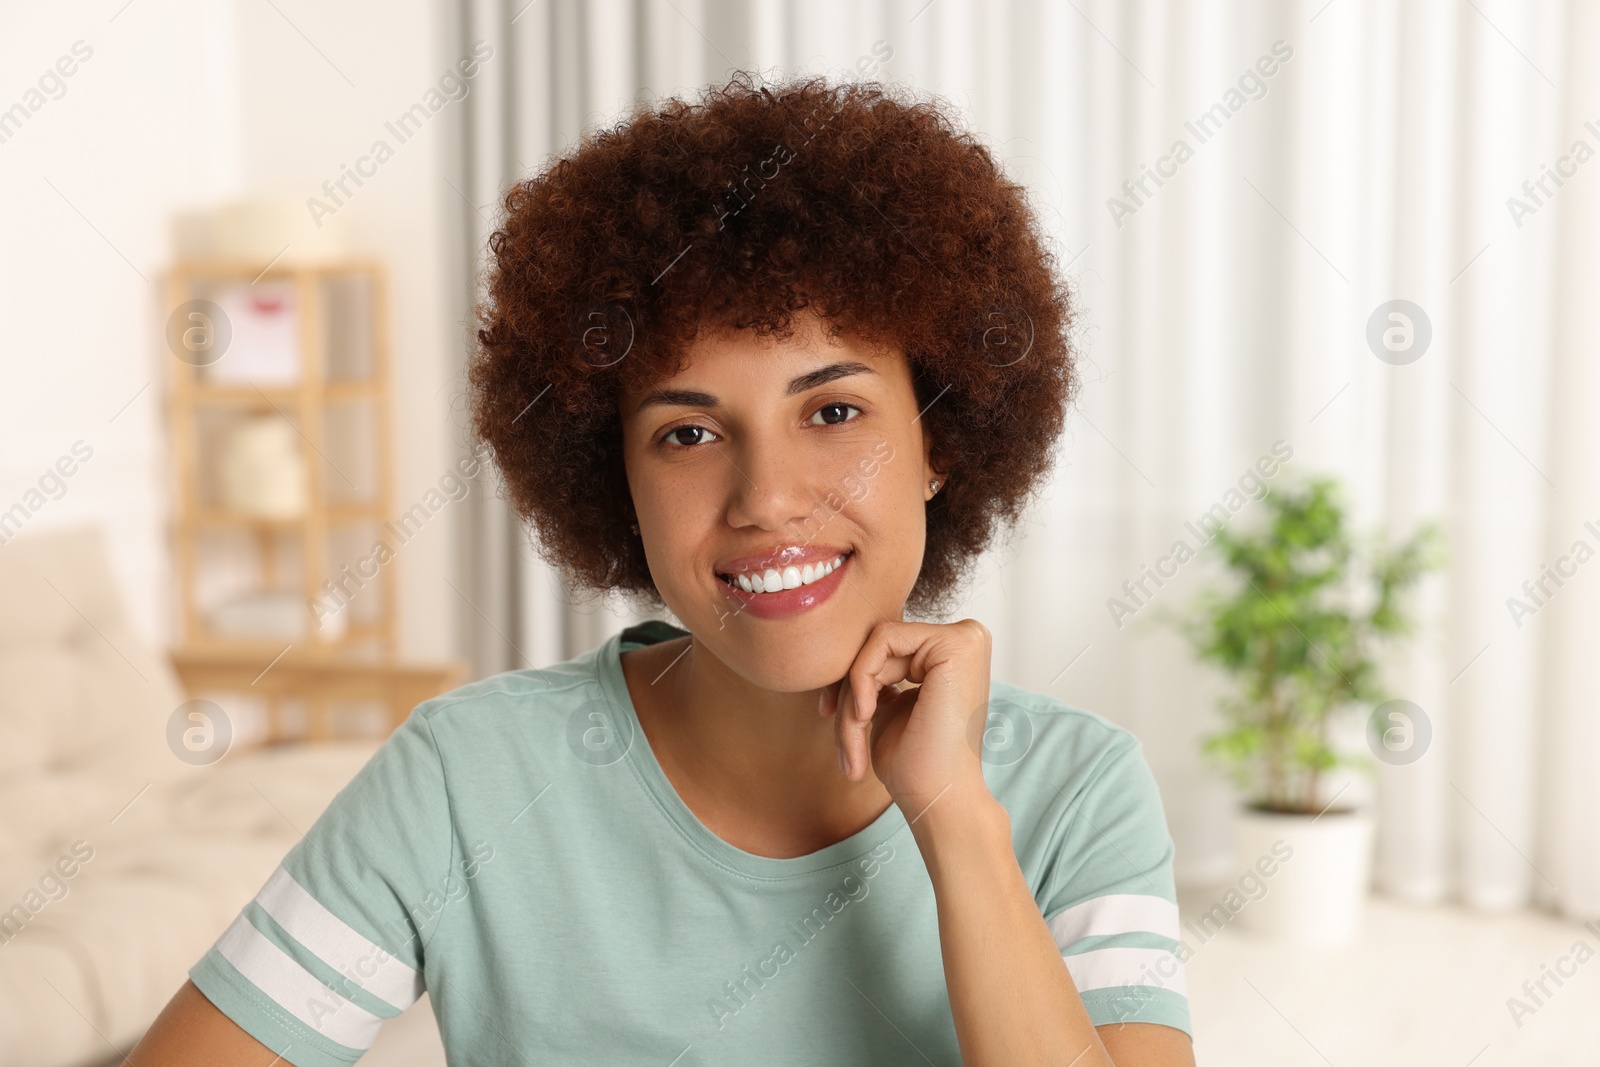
<point>779,361</point>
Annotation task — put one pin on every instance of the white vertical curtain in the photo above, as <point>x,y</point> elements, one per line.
<point>1393,152</point>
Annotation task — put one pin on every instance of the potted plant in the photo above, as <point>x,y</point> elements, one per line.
<point>1297,629</point>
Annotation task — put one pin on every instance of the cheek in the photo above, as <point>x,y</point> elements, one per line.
<point>676,516</point>
<point>885,496</point>
<point>907,511</point>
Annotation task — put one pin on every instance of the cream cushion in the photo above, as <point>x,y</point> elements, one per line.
<point>177,849</point>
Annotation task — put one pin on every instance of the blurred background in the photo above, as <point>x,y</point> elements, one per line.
<point>243,530</point>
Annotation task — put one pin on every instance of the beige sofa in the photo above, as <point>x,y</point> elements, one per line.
<point>119,862</point>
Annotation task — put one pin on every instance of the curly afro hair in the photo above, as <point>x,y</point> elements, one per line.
<point>858,201</point>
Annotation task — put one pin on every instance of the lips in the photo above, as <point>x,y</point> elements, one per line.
<point>788,602</point>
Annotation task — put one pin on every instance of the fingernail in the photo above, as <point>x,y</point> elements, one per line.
<point>844,766</point>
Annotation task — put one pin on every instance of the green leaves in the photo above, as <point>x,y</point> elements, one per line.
<point>1296,628</point>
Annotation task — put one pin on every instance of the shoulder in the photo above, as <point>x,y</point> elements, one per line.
<point>528,693</point>
<point>1025,725</point>
<point>1048,762</point>
<point>1086,812</point>
<point>505,724</point>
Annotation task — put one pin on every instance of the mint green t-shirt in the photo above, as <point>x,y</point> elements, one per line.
<point>515,850</point>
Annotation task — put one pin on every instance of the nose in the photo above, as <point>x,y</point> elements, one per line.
<point>771,485</point>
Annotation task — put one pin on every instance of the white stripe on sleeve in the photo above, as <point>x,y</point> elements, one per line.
<point>332,941</point>
<point>1115,913</point>
<point>295,989</point>
<point>1103,968</point>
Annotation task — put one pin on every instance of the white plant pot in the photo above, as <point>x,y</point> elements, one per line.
<point>1320,870</point>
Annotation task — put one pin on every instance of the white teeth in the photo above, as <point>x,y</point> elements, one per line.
<point>773,580</point>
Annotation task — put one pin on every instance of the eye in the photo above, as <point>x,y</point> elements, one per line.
<point>837,406</point>
<point>671,436</point>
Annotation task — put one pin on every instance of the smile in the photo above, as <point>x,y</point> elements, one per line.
<point>775,580</point>
<point>778,592</point>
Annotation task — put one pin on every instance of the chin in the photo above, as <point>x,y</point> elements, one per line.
<point>790,656</point>
<point>793,678</point>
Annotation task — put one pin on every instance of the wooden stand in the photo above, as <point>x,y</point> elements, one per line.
<point>320,681</point>
<point>306,405</point>
<point>339,396</point>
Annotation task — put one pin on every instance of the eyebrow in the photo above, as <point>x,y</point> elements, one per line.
<point>809,380</point>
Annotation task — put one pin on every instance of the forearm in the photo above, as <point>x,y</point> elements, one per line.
<point>1013,1000</point>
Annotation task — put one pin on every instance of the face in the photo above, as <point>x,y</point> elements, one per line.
<point>771,460</point>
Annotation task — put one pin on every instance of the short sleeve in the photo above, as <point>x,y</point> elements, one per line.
<point>1110,901</point>
<point>333,943</point>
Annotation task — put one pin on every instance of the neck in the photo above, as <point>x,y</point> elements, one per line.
<point>758,767</point>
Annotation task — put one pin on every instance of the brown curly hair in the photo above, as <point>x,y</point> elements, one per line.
<point>857,200</point>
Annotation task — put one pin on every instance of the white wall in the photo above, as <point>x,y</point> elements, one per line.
<point>182,104</point>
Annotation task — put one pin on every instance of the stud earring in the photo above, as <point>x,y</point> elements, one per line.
<point>934,485</point>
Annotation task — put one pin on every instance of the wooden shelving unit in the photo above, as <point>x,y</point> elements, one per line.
<point>309,678</point>
<point>339,307</point>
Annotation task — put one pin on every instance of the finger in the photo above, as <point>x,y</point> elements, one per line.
<point>876,667</point>
<point>851,731</point>
<point>840,699</point>
<point>857,756</point>
<point>829,701</point>
<point>858,740</point>
<point>890,655</point>
<point>858,734</point>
